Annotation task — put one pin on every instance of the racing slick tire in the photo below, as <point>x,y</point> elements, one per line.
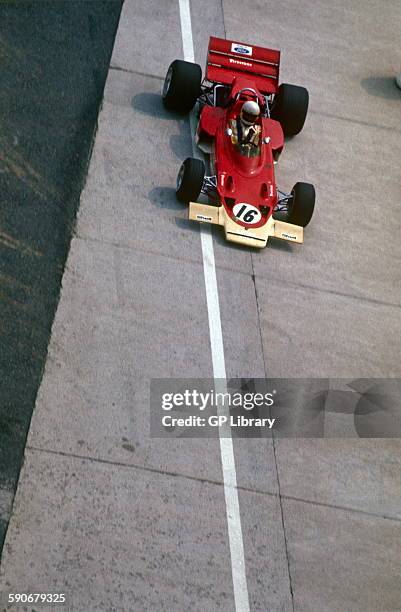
<point>182,86</point>
<point>190,180</point>
<point>302,204</point>
<point>290,107</point>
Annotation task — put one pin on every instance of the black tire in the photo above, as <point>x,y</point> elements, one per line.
<point>290,107</point>
<point>190,180</point>
<point>302,204</point>
<point>182,86</point>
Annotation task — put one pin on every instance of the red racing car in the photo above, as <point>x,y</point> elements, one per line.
<point>244,116</point>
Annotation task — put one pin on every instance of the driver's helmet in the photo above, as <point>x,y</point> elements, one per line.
<point>250,111</point>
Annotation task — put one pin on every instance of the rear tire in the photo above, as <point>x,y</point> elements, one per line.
<point>290,107</point>
<point>182,86</point>
<point>190,180</point>
<point>302,204</point>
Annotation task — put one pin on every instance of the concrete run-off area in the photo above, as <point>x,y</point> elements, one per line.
<point>121,521</point>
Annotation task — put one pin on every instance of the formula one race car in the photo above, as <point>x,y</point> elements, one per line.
<point>244,116</point>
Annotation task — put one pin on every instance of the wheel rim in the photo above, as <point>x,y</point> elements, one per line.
<point>167,82</point>
<point>180,176</point>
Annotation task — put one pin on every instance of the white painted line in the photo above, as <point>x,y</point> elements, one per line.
<point>186,31</point>
<point>219,369</point>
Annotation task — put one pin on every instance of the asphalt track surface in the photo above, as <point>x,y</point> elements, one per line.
<point>54,62</point>
<point>119,520</point>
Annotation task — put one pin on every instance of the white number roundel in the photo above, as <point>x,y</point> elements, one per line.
<point>247,213</point>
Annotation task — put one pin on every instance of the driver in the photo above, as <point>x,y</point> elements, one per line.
<point>245,128</point>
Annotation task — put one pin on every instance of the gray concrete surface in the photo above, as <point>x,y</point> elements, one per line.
<point>342,560</point>
<point>125,521</point>
<point>327,472</point>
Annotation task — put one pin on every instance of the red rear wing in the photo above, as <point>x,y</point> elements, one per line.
<point>228,58</point>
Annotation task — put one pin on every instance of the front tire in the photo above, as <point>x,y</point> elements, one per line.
<point>290,107</point>
<point>182,86</point>
<point>302,204</point>
<point>190,180</point>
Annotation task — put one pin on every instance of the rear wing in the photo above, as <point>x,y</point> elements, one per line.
<point>228,58</point>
